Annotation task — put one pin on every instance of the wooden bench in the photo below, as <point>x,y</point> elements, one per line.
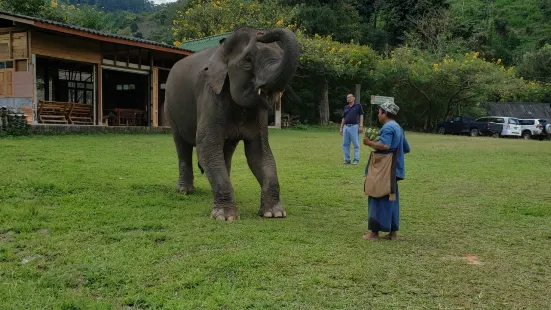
<point>52,112</point>
<point>81,114</point>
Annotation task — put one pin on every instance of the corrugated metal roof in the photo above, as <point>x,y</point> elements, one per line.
<point>519,109</point>
<point>92,31</point>
<point>203,43</point>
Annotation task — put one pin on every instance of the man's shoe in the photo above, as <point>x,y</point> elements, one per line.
<point>346,163</point>
<point>355,163</point>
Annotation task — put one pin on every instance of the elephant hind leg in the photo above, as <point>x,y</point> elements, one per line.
<point>229,149</point>
<point>185,156</point>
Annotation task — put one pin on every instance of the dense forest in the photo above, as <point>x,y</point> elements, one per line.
<point>436,57</point>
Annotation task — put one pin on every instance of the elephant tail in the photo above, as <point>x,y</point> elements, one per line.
<point>201,168</point>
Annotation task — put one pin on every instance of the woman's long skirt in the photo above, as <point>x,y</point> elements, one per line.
<point>383,214</point>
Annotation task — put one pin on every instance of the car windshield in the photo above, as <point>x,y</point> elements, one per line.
<point>526,122</point>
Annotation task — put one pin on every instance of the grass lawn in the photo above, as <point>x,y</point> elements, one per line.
<point>93,222</point>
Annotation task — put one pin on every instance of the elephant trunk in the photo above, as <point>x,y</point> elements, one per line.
<point>286,68</point>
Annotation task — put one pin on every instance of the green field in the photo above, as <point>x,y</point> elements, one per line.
<point>93,222</point>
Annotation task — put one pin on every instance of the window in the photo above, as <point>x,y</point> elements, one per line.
<point>457,119</point>
<point>513,121</point>
<point>484,119</point>
<point>497,120</point>
<point>526,122</point>
<point>126,87</point>
<point>80,85</point>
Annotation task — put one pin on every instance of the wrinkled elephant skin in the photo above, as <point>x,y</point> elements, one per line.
<point>220,96</point>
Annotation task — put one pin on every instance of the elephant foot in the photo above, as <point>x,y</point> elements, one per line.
<point>185,189</point>
<point>276,211</point>
<point>228,214</point>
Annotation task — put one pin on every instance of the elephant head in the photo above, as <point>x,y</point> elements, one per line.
<point>254,65</point>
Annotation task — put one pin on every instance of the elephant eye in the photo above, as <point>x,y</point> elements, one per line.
<point>247,62</point>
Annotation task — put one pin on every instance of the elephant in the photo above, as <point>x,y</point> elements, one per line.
<point>220,96</point>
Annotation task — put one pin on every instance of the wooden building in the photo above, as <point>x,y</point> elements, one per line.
<point>63,74</point>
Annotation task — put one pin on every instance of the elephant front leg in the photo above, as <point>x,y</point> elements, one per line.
<point>211,158</point>
<point>262,164</point>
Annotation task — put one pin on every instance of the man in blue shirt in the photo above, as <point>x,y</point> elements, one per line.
<point>384,214</point>
<point>352,125</point>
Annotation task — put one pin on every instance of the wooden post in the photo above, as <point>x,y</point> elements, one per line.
<point>99,96</point>
<point>140,58</point>
<point>35,90</point>
<point>149,105</point>
<point>155,97</point>
<point>94,79</point>
<point>10,47</point>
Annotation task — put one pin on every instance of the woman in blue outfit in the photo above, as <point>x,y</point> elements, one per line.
<point>384,214</point>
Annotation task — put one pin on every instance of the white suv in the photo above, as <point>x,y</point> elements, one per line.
<point>537,128</point>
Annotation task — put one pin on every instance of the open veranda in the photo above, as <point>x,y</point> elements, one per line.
<point>93,222</point>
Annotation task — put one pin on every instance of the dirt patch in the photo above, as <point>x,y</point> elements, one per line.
<point>473,260</point>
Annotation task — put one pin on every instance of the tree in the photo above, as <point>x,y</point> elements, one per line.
<point>431,88</point>
<point>537,65</point>
<point>206,18</point>
<point>26,7</point>
<point>325,60</point>
<point>399,14</point>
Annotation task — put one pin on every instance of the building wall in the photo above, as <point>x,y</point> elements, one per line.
<point>65,47</point>
<point>16,77</point>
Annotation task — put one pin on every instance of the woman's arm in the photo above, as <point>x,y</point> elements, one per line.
<point>407,149</point>
<point>376,145</point>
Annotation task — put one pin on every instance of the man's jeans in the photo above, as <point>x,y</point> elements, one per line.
<point>351,134</point>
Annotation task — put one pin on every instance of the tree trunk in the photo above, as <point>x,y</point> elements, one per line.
<point>357,93</point>
<point>324,105</point>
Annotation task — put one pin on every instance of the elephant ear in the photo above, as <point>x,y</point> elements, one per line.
<point>216,70</point>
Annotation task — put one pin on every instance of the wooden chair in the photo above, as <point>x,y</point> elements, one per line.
<point>52,112</point>
<point>81,114</point>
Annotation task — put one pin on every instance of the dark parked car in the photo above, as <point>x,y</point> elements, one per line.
<point>485,126</point>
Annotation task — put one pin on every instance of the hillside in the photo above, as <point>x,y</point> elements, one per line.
<point>135,6</point>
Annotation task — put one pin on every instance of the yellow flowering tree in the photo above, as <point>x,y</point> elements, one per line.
<point>210,17</point>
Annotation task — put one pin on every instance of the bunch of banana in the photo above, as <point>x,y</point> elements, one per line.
<point>372,133</point>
